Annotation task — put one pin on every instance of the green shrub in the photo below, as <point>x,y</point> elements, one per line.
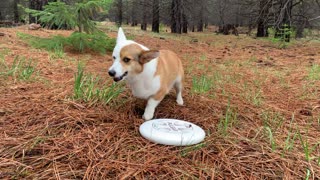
<point>78,13</point>
<point>55,14</point>
<point>49,44</point>
<point>281,36</point>
<point>97,42</point>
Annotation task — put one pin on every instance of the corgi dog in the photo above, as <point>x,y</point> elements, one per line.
<point>150,74</point>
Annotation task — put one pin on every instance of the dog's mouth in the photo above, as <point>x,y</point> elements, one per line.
<point>116,79</point>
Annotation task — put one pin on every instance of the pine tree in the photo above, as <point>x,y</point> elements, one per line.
<point>78,15</point>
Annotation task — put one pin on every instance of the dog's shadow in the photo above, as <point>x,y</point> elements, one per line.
<point>138,106</point>
<point>166,105</point>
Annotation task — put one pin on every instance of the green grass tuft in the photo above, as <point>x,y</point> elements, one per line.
<point>307,149</point>
<point>314,72</point>
<point>271,138</point>
<point>202,84</point>
<point>88,89</point>
<point>228,120</point>
<point>203,57</point>
<point>187,150</point>
<point>272,119</point>
<point>252,95</point>
<point>20,69</point>
<point>291,137</point>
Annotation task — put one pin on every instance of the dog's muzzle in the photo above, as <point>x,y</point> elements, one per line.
<point>116,79</point>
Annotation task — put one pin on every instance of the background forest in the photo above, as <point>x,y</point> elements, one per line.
<point>187,15</point>
<point>252,82</point>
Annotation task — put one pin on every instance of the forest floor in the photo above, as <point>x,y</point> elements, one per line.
<point>258,104</point>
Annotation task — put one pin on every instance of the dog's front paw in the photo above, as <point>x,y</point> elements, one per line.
<point>180,101</point>
<point>147,116</point>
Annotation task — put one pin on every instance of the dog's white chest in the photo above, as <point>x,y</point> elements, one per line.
<point>145,84</point>
<point>144,88</point>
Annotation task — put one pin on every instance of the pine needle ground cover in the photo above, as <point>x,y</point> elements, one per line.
<point>258,104</point>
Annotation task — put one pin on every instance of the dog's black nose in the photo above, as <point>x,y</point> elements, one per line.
<point>112,73</point>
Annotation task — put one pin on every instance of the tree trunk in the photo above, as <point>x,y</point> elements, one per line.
<point>33,5</point>
<point>192,28</point>
<point>184,23</point>
<point>206,24</point>
<point>200,22</point>
<point>302,22</point>
<point>133,14</point>
<point>222,7</point>
<point>200,26</point>
<point>144,16</point>
<point>120,18</point>
<point>155,16</point>
<point>176,16</point>
<point>262,30</point>
<point>127,14</point>
<point>300,27</point>
<point>15,11</point>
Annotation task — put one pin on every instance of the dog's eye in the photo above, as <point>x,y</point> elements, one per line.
<point>114,57</point>
<point>126,60</point>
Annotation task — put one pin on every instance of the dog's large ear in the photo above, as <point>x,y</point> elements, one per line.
<point>147,56</point>
<point>121,37</point>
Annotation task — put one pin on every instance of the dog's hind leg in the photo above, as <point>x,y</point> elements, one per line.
<point>179,86</point>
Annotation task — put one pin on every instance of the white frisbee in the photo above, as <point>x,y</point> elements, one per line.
<point>172,132</point>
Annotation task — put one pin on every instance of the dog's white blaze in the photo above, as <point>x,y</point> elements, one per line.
<point>116,66</point>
